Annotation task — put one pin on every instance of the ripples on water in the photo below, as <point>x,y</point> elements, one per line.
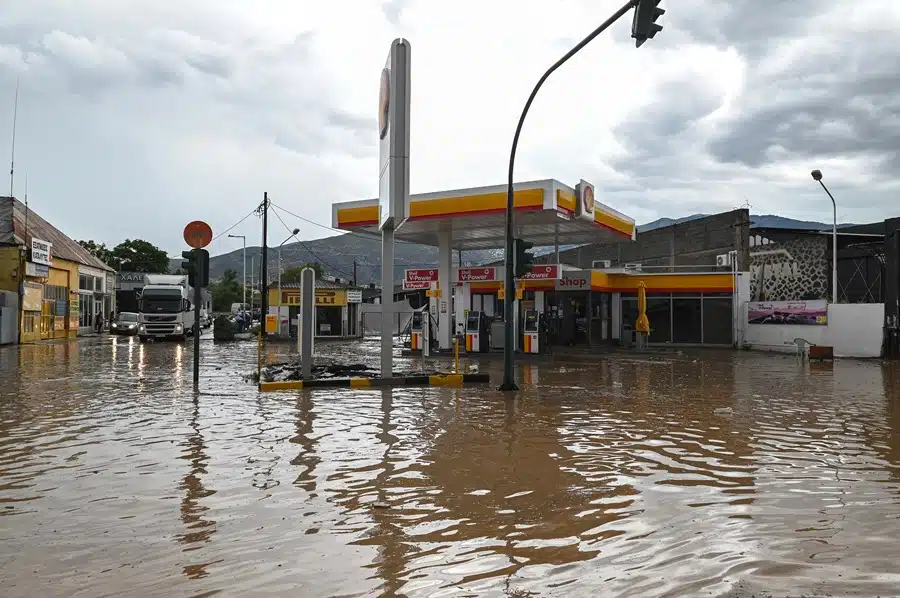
<point>633,477</point>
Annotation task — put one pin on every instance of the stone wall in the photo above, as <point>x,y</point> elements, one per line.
<point>788,266</point>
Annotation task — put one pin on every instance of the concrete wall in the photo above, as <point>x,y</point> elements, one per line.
<point>692,243</point>
<point>854,330</point>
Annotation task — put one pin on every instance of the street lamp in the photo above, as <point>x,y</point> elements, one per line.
<point>643,27</point>
<point>817,176</point>
<point>244,275</point>
<point>293,234</point>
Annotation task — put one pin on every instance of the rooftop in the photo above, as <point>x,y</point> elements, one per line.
<point>13,231</point>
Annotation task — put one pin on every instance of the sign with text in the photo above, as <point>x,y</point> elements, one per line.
<point>548,272</point>
<point>328,298</point>
<point>354,296</point>
<point>578,280</point>
<point>409,285</point>
<point>477,274</point>
<point>37,270</point>
<point>429,275</point>
<point>40,252</point>
<point>794,313</point>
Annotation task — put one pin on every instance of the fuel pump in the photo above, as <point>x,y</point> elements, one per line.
<point>531,333</point>
<point>417,331</point>
<point>477,336</point>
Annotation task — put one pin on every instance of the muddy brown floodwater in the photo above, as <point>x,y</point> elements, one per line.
<point>708,474</point>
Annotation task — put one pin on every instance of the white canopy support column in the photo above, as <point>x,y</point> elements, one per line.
<point>445,284</point>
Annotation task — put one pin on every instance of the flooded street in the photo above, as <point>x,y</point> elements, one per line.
<point>708,474</point>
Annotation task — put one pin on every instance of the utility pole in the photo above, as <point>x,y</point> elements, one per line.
<point>354,273</point>
<point>264,284</point>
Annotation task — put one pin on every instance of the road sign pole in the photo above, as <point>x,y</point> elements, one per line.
<point>198,298</point>
<point>198,235</point>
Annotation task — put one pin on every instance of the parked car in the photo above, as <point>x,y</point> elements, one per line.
<point>126,323</point>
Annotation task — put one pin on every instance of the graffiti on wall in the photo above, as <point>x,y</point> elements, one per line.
<point>788,270</point>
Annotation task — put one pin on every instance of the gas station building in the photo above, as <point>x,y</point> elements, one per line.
<point>581,306</point>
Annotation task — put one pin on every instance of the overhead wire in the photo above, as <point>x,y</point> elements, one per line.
<point>233,226</point>
<point>302,244</point>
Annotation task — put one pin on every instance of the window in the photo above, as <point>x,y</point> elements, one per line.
<point>717,321</point>
<point>28,323</point>
<point>659,312</point>
<point>687,320</point>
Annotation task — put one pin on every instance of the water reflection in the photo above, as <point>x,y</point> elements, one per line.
<point>197,529</point>
<point>678,475</point>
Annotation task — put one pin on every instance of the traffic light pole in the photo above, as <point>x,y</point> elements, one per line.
<point>509,381</point>
<point>198,299</point>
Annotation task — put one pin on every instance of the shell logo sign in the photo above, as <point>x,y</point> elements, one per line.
<point>585,207</point>
<point>430,275</point>
<point>476,274</point>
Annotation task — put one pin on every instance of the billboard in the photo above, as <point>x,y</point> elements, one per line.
<point>794,313</point>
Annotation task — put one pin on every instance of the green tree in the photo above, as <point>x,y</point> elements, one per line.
<point>293,274</point>
<point>137,255</point>
<point>99,251</point>
<point>226,291</point>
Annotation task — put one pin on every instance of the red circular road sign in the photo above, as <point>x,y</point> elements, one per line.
<point>198,234</point>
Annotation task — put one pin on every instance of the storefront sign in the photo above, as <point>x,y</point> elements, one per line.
<point>40,252</point>
<point>542,273</point>
<point>37,270</point>
<point>416,286</point>
<point>477,274</point>
<point>327,298</point>
<point>574,281</point>
<point>794,313</point>
<point>354,296</point>
<point>32,297</point>
<point>421,276</point>
<point>131,277</point>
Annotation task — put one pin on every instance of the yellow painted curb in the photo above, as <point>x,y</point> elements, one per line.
<point>448,380</point>
<point>283,385</point>
<point>360,382</point>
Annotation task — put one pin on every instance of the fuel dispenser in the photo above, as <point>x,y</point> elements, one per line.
<point>531,332</point>
<point>477,335</point>
<point>420,332</point>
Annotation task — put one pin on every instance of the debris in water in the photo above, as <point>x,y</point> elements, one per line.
<point>381,505</point>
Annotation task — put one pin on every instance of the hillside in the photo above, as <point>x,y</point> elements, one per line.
<point>338,253</point>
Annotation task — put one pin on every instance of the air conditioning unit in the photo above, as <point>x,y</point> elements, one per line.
<point>600,264</point>
<point>723,260</point>
<point>635,267</point>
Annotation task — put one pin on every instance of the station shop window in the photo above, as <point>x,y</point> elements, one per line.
<point>28,321</point>
<point>679,319</point>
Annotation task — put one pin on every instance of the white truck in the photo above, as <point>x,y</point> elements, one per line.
<point>165,310</point>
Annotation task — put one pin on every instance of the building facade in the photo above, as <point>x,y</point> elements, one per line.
<point>61,286</point>
<point>337,308</point>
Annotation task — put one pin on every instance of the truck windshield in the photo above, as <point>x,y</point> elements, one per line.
<point>161,302</point>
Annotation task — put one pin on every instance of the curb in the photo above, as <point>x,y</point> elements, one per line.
<point>435,380</point>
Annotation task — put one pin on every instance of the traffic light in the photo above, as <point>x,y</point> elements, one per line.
<point>524,260</point>
<point>644,25</point>
<point>196,266</point>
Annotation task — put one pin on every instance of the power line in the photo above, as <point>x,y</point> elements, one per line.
<point>232,227</point>
<point>302,244</point>
<point>329,228</point>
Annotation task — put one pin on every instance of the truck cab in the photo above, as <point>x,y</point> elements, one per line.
<point>164,308</point>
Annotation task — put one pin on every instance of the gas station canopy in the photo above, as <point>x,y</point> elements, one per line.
<point>546,213</point>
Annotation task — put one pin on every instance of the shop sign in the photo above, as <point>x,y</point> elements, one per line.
<point>421,275</point>
<point>574,281</point>
<point>477,274</point>
<point>130,277</point>
<point>542,273</point>
<point>32,297</point>
<point>795,313</point>
<point>328,298</point>
<point>37,270</point>
<point>409,285</point>
<point>40,252</point>
<point>354,296</point>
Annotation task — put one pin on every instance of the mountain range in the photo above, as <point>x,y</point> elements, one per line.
<point>355,256</point>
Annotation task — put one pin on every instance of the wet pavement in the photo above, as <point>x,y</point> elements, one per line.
<point>708,474</point>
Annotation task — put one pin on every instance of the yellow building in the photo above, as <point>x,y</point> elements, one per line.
<point>57,287</point>
<point>336,308</point>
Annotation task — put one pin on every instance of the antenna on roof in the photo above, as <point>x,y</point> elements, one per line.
<point>12,159</point>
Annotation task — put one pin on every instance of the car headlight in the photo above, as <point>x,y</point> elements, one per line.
<point>114,325</point>
<point>142,328</point>
<point>131,327</point>
<point>178,328</point>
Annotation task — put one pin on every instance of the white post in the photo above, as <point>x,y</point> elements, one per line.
<point>834,277</point>
<point>244,276</point>
<point>279,292</point>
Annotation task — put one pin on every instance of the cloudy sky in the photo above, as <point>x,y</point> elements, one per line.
<point>138,116</point>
